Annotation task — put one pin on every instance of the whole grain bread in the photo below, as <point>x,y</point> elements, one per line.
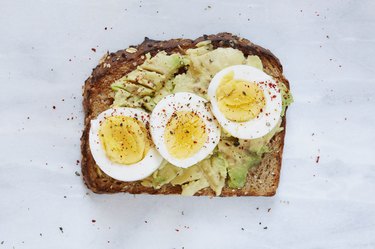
<point>98,96</point>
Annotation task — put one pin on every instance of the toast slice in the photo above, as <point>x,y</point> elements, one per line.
<point>262,180</point>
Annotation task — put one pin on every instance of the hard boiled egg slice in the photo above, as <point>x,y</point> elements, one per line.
<point>246,101</point>
<point>183,129</point>
<point>121,145</point>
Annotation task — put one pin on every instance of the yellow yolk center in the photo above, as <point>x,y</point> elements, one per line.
<point>239,100</point>
<point>124,139</point>
<point>185,134</point>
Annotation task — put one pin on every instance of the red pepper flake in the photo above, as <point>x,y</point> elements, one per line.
<point>93,49</point>
<point>317,159</point>
<point>273,96</point>
<point>177,230</point>
<point>271,85</point>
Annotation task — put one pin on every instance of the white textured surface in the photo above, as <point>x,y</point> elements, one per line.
<point>327,49</point>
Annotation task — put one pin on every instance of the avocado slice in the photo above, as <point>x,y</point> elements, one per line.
<point>163,64</point>
<point>215,171</point>
<point>287,97</point>
<point>254,61</point>
<point>137,89</point>
<point>165,174</point>
<point>121,97</point>
<point>118,84</point>
<point>239,160</point>
<point>208,64</point>
<point>148,103</point>
<point>191,188</point>
<point>238,172</point>
<point>202,47</point>
<point>183,83</point>
<point>148,79</point>
<point>187,175</point>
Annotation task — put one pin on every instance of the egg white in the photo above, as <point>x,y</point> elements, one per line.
<point>183,101</point>
<point>266,120</point>
<point>133,172</point>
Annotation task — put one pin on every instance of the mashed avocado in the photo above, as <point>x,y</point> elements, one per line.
<point>164,74</point>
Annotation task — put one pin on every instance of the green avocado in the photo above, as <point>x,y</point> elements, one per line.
<point>148,103</point>
<point>166,90</point>
<point>253,60</point>
<point>183,83</point>
<point>208,64</point>
<point>239,158</point>
<point>137,89</point>
<point>287,97</point>
<point>165,174</point>
<point>187,175</point>
<point>200,48</point>
<point>163,64</point>
<point>121,97</point>
<point>191,188</point>
<point>215,172</point>
<point>118,84</point>
<point>238,172</point>
<point>148,79</point>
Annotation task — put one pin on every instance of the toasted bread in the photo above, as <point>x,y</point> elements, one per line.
<point>262,180</point>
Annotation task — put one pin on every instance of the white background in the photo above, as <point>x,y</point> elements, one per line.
<point>327,49</point>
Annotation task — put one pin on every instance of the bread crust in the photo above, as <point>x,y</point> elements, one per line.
<point>98,96</point>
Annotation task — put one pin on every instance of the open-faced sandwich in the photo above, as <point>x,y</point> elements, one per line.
<point>190,117</point>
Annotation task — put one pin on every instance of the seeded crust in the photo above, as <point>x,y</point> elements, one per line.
<point>262,180</point>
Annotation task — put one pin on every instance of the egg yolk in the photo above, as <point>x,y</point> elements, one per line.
<point>239,100</point>
<point>124,139</point>
<point>185,134</point>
